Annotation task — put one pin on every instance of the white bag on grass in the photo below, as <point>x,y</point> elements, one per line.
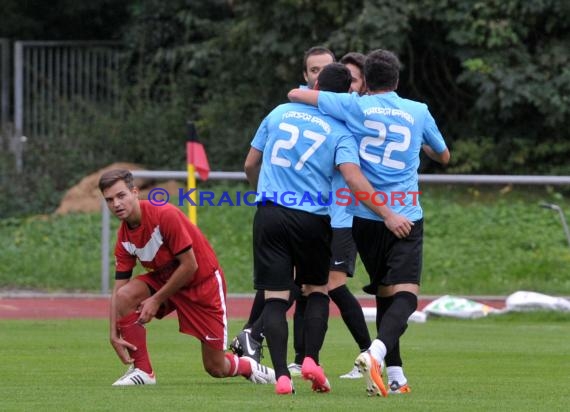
<point>457,307</point>
<point>527,301</point>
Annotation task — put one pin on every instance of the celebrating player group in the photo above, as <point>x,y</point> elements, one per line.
<point>346,128</point>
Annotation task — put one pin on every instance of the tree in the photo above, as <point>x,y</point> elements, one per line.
<point>63,19</point>
<point>494,73</point>
<point>514,73</point>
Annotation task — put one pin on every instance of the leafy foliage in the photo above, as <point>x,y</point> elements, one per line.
<point>495,74</point>
<point>514,64</point>
<point>63,19</point>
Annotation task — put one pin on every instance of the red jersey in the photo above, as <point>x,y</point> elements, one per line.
<point>164,232</point>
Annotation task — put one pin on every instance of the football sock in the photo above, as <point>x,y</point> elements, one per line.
<point>276,332</point>
<point>233,360</point>
<point>352,315</point>
<point>396,373</point>
<point>382,305</point>
<point>135,333</point>
<point>298,328</point>
<point>244,367</point>
<point>395,319</point>
<point>256,309</point>
<point>316,324</point>
<point>294,294</point>
<point>257,330</point>
<point>238,366</point>
<point>393,357</point>
<point>378,350</point>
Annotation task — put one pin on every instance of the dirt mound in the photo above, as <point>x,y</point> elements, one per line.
<point>86,198</point>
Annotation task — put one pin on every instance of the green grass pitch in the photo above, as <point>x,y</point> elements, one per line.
<point>517,362</point>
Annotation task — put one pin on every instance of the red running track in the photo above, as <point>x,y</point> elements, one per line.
<point>58,307</point>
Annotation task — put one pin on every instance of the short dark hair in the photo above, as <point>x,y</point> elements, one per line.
<point>316,50</point>
<point>335,77</point>
<point>111,177</point>
<point>354,58</point>
<point>382,70</point>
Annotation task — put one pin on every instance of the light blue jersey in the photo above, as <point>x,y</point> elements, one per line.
<point>301,148</point>
<point>340,218</point>
<point>389,131</point>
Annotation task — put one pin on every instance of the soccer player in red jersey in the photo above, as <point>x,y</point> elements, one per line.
<point>183,275</point>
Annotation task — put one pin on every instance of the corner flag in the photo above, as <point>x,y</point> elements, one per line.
<point>197,161</point>
<point>195,153</point>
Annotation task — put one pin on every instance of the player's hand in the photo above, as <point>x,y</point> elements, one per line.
<point>120,345</point>
<point>147,310</point>
<point>398,225</point>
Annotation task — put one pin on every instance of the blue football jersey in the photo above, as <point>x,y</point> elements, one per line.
<point>301,148</point>
<point>389,132</point>
<point>340,218</point>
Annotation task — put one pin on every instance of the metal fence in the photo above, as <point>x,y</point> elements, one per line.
<point>51,81</point>
<point>183,175</point>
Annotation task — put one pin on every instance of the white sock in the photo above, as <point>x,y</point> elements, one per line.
<point>396,373</point>
<point>378,350</point>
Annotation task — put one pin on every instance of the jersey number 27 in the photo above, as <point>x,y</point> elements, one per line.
<point>288,144</point>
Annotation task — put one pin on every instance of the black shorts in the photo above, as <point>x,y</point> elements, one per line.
<point>343,250</point>
<point>285,238</point>
<point>387,259</point>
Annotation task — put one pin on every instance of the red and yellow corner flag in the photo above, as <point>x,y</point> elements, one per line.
<point>197,161</point>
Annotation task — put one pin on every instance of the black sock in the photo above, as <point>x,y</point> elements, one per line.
<point>395,318</point>
<point>298,327</point>
<point>295,294</point>
<point>316,324</point>
<point>352,315</point>
<point>382,304</point>
<point>257,330</point>
<point>256,309</point>
<point>277,333</point>
<point>256,325</point>
<point>393,357</point>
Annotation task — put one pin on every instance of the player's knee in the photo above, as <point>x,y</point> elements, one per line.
<point>215,372</point>
<point>125,301</point>
<point>406,301</point>
<point>122,295</point>
<point>336,279</point>
<point>323,289</point>
<point>215,368</point>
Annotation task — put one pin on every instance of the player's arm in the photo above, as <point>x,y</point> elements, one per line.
<point>117,342</point>
<point>442,157</point>
<point>124,264</point>
<point>306,96</point>
<point>357,182</point>
<point>179,278</point>
<point>252,166</point>
<point>433,143</point>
